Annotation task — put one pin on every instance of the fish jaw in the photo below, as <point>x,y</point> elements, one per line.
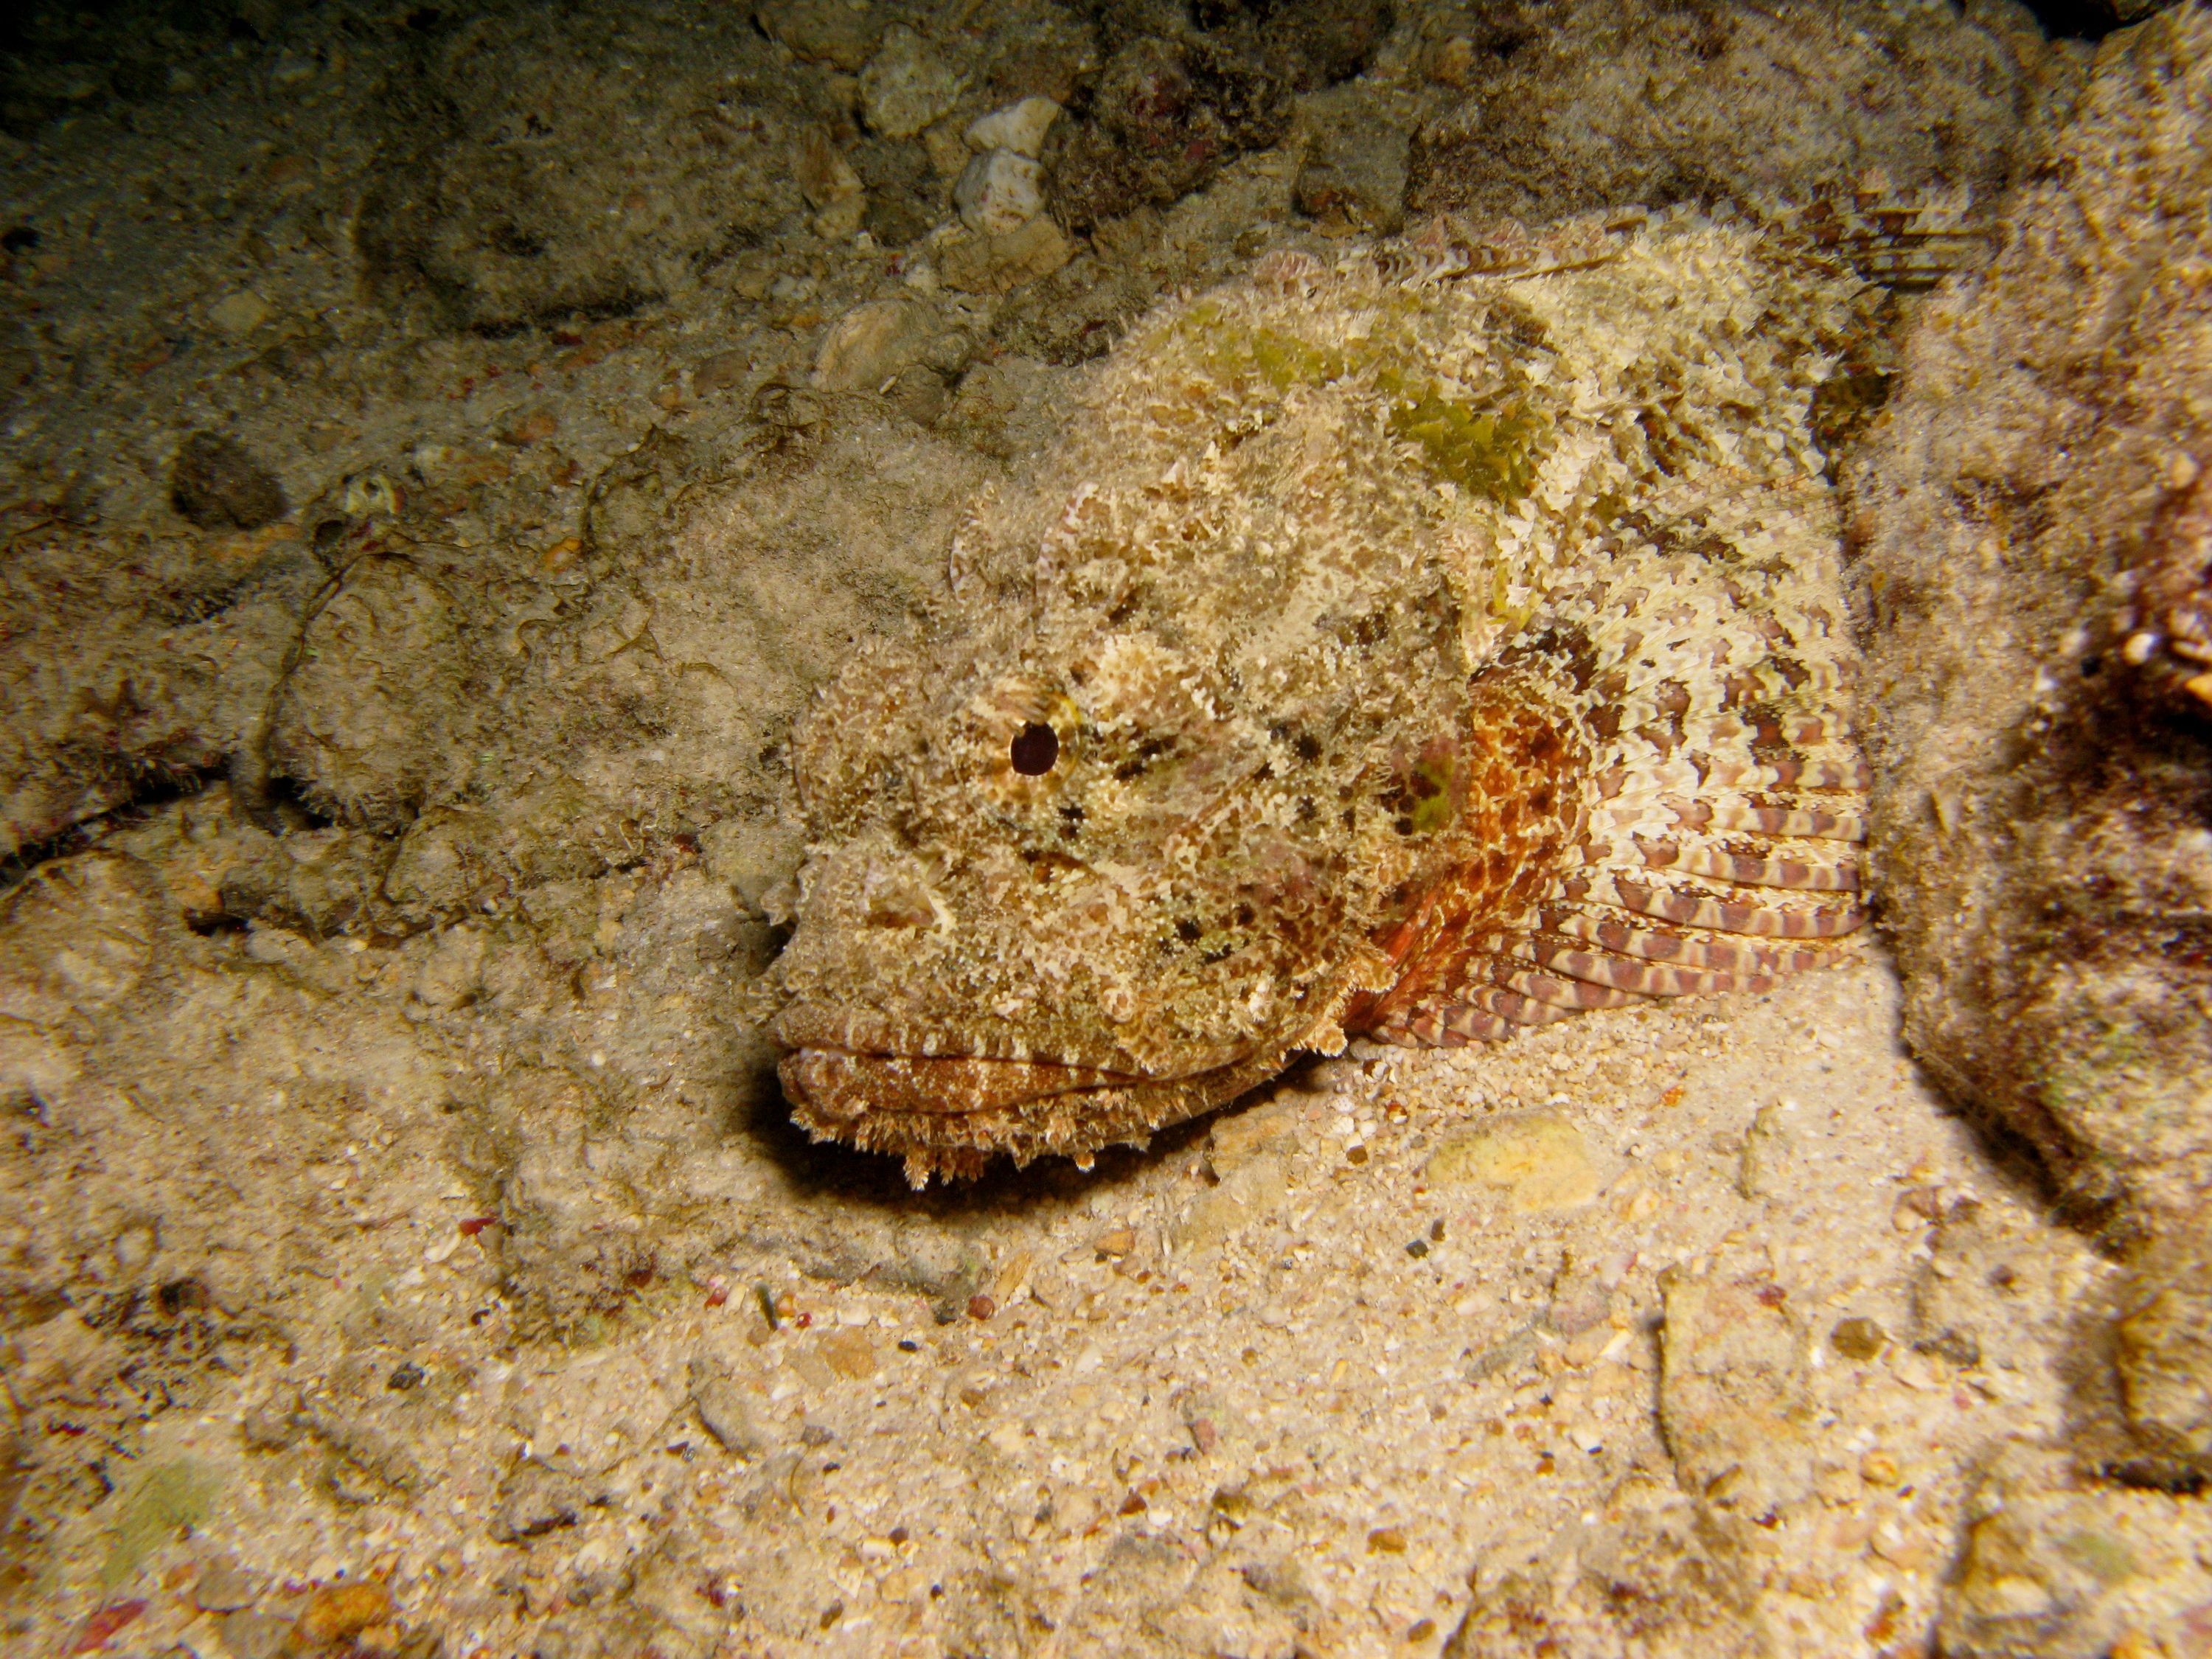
<point>950,1117</point>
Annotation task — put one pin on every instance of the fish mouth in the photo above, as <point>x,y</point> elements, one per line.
<point>838,1084</point>
<point>885,1086</point>
<point>948,1115</point>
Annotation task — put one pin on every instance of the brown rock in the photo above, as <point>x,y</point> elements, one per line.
<point>217,484</point>
<point>721,372</point>
<point>1615,102</point>
<point>335,1612</point>
<point>2037,524</point>
<point>832,31</point>
<point>1157,121</point>
<point>850,1352</point>
<point>1734,1396</point>
<point>998,265</point>
<point>870,344</point>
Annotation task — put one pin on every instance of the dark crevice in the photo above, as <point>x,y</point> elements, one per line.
<point>157,788</point>
<point>2075,20</point>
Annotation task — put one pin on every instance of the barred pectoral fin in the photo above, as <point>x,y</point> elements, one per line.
<point>1642,920</point>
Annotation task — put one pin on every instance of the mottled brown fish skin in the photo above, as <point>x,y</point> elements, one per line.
<point>1386,646</point>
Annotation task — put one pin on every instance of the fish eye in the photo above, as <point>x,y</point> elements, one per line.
<point>1035,747</point>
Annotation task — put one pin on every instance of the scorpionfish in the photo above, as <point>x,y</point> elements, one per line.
<point>1422,642</point>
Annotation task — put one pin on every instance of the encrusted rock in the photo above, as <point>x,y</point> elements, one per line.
<point>509,201</point>
<point>1614,102</point>
<point>997,264</point>
<point>2037,525</point>
<point>870,344</point>
<point>1354,171</point>
<point>834,31</point>
<point>2054,1570</point>
<point>1159,119</point>
<point>907,85</point>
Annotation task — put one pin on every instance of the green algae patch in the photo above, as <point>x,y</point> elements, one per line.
<point>170,1498</point>
<point>1491,452</point>
<point>1489,446</point>
<point>1282,360</point>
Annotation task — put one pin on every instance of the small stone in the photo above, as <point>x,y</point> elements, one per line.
<point>833,32</point>
<point>1765,1144</point>
<point>452,972</point>
<point>93,1635</point>
<point>1879,1468</point>
<point>825,177</point>
<point>238,314</point>
<point>722,1410</point>
<point>531,428</point>
<point>1735,1400</point>
<point>249,1634</point>
<point>406,1377</point>
<point>998,265</point>
<point>534,1499</point>
<point>1535,1160</point>
<point>871,343</point>
<point>999,191</point>
<point>906,85</point>
<point>814,1434</point>
<point>1386,1541</point>
<point>851,1353</point>
<point>1857,1339</point>
<point>723,371</point>
<point>217,484</point>
<point>947,150</point>
<point>1019,127</point>
<point>223,1587</point>
<point>1252,1185</point>
<point>335,1612</point>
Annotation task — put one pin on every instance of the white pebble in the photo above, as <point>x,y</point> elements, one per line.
<point>1019,127</point>
<point>998,192</point>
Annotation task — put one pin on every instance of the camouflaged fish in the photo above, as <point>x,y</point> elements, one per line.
<point>1422,644</point>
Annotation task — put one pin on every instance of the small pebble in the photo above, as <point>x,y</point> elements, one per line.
<point>1019,127</point>
<point>337,1611</point>
<point>1857,1339</point>
<point>216,483</point>
<point>999,191</point>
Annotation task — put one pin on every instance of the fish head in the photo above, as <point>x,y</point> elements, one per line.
<point>1059,894</point>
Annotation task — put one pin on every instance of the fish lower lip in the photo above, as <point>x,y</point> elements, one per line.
<point>838,1084</point>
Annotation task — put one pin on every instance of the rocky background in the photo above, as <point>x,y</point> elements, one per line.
<point>446,448</point>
